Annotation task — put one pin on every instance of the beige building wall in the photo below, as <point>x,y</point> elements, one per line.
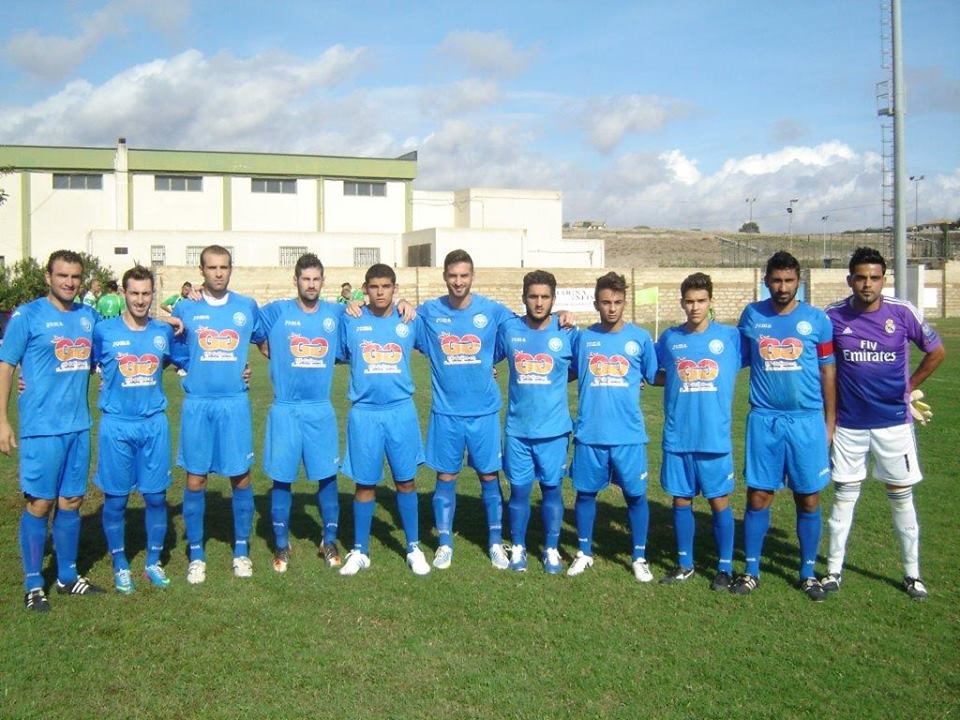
<point>273,212</point>
<point>351,214</point>
<point>174,210</point>
<point>62,218</point>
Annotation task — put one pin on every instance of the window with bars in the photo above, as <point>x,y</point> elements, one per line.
<point>364,189</point>
<point>273,185</point>
<point>178,183</point>
<point>290,254</point>
<point>77,181</point>
<point>158,255</point>
<point>365,256</point>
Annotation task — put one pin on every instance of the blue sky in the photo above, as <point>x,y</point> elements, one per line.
<point>666,114</point>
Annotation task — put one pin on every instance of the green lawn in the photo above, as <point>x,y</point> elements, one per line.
<point>472,642</point>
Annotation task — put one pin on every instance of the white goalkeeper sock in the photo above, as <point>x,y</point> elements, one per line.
<point>907,528</point>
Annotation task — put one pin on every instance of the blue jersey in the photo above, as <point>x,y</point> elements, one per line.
<point>785,353</point>
<point>215,343</point>
<point>132,363</point>
<point>460,345</point>
<point>700,372</point>
<point>378,350</point>
<point>303,349</point>
<point>610,368</point>
<point>54,349</point>
<point>539,362</point>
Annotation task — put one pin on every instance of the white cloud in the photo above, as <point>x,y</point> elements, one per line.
<point>486,53</point>
<point>461,97</point>
<point>609,119</point>
<point>787,130</point>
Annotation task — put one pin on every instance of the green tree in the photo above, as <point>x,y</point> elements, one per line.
<point>26,280</point>
<point>749,227</point>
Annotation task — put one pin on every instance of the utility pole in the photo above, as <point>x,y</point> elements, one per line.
<point>915,179</point>
<point>899,173</point>
<point>790,216</point>
<point>751,201</point>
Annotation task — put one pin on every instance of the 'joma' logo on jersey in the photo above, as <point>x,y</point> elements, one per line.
<point>120,343</point>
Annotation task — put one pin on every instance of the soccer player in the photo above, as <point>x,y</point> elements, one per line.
<point>303,337</point>
<point>110,304</point>
<point>93,294</point>
<point>538,424</point>
<point>215,432</point>
<point>612,359</point>
<point>791,420</point>
<point>871,338</point>
<point>134,440</point>
<point>699,362</point>
<point>383,420</point>
<point>50,339</point>
<point>459,333</point>
<point>171,302</point>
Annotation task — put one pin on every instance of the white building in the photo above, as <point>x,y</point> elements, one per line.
<point>163,206</point>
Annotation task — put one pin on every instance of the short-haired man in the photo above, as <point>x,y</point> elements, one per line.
<point>92,294</point>
<point>171,302</point>
<point>791,420</point>
<point>699,362</point>
<point>303,335</point>
<point>537,431</point>
<point>110,304</point>
<point>871,338</point>
<point>383,420</point>
<point>215,430</point>
<point>134,439</point>
<point>612,360</point>
<point>50,339</point>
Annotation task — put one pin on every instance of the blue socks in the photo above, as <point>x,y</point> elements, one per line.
<point>242,502</point>
<point>809,526</point>
<point>155,518</point>
<point>407,507</point>
<point>638,513</point>
<point>444,508</point>
<point>113,516</point>
<point>723,536</point>
<point>362,520</point>
<point>585,511</point>
<point>66,539</point>
<point>519,513</point>
<point>33,538</point>
<point>194,506</point>
<point>281,498</point>
<point>493,503</point>
<point>683,529</point>
<point>329,502</point>
<point>552,513</point>
<point>755,526</point>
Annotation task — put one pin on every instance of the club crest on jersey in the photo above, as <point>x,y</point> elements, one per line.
<point>73,354</point>
<point>889,327</point>
<point>631,348</point>
<point>460,350</point>
<point>608,370</point>
<point>480,320</point>
<point>218,345</point>
<point>138,370</point>
<point>804,328</point>
<point>308,352</point>
<point>86,324</point>
<point>780,354</point>
<point>697,376</point>
<point>716,346</point>
<point>555,344</point>
<point>381,358</point>
<point>160,342</point>
<point>532,369</point>
<point>402,330</point>
<point>329,325</point>
<point>239,319</point>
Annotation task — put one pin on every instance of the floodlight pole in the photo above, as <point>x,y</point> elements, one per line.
<point>915,179</point>
<point>751,201</point>
<point>899,172</point>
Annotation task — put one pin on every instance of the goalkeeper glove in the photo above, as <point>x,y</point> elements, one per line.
<point>920,410</point>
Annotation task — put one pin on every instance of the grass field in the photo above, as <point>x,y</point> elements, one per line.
<point>472,642</point>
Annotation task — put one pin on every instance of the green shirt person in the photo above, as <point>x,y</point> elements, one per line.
<point>110,303</point>
<point>172,301</point>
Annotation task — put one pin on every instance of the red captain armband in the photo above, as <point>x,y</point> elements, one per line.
<point>825,349</point>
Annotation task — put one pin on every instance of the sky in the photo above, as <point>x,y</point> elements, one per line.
<point>665,114</point>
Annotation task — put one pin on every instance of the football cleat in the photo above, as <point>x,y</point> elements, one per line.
<point>418,562</point>
<point>355,562</point>
<point>281,558</point>
<point>36,600</point>
<point>552,565</point>
<point>721,581</point>
<point>831,582</point>
<point>915,589</point>
<point>744,584</point>
<point>196,572</point>
<point>813,589</point>
<point>641,571</point>
<point>580,563</point>
<point>156,575</point>
<point>498,556</point>
<point>123,582</point>
<point>242,567</point>
<point>331,553</point>
<point>80,586</point>
<point>518,558</point>
<point>443,557</point>
<point>677,575</point>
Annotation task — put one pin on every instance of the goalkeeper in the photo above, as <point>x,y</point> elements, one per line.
<point>877,402</point>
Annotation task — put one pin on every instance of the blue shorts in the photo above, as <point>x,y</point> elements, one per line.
<point>133,454</point>
<point>594,467</point>
<point>53,466</point>
<point>393,432</point>
<point>215,435</point>
<point>449,435</point>
<point>301,432</point>
<point>527,459</point>
<point>687,474</point>
<point>789,450</point>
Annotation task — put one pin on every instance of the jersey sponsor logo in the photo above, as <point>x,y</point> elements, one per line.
<point>200,317</point>
<point>73,353</point>
<point>679,346</point>
<point>762,326</point>
<point>460,349</point>
<point>632,348</point>
<point>716,347</point>
<point>480,321</point>
<point>381,358</point>
<point>532,369</point>
<point>889,327</point>
<point>555,344</point>
<point>869,352</point>
<point>138,370</point>
<point>608,370</point>
<point>402,330</point>
<point>160,342</point>
<point>804,328</point>
<point>49,325</point>
<point>217,345</point>
<point>697,376</point>
<point>239,319</point>
<point>291,323</point>
<point>847,331</point>
<point>120,343</point>
<point>780,355</point>
<point>308,352</point>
